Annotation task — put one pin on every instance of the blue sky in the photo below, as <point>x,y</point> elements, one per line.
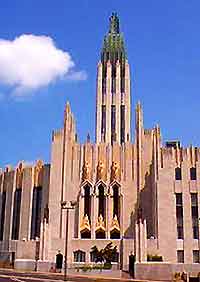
<point>163,45</point>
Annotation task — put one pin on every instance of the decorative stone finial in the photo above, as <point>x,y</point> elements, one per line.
<point>67,109</point>
<point>88,138</point>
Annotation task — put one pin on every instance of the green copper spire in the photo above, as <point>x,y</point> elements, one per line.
<point>113,45</point>
<point>114,23</point>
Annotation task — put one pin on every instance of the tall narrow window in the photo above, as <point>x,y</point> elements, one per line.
<point>36,212</point>
<point>116,202</point>
<point>93,256</point>
<point>122,124</point>
<point>178,174</point>
<point>115,257</point>
<point>115,230</point>
<point>179,215</point>
<point>101,202</point>
<point>193,173</point>
<point>87,202</point>
<point>122,78</point>
<point>103,122</point>
<point>100,228</point>
<point>196,257</point>
<point>104,74</point>
<point>180,256</point>
<point>195,216</point>
<point>113,78</point>
<point>113,123</point>
<point>16,214</point>
<point>3,206</point>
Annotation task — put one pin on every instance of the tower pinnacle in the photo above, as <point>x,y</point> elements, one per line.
<point>113,88</point>
<point>114,23</point>
<point>113,45</point>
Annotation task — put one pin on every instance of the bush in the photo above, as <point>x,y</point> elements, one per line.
<point>154,258</point>
<point>98,267</point>
<point>85,268</point>
<point>107,265</point>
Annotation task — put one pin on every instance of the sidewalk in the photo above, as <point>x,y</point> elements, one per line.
<point>109,275</point>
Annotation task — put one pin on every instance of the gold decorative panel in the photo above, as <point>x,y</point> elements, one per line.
<point>101,173</point>
<point>19,175</point>
<point>38,174</point>
<point>115,171</point>
<point>86,171</point>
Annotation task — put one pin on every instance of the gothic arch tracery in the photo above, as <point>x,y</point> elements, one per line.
<point>115,191</point>
<point>85,212</point>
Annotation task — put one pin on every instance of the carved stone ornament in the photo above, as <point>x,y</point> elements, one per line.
<point>19,176</point>
<point>115,171</point>
<point>100,171</point>
<point>38,169</point>
<point>115,224</point>
<point>85,224</point>
<point>86,171</point>
<point>100,225</point>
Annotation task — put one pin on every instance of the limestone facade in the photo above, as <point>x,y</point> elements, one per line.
<point>143,195</point>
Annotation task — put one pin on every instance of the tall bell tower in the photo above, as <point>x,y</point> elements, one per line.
<point>113,88</point>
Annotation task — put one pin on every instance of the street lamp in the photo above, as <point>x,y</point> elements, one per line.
<point>67,205</point>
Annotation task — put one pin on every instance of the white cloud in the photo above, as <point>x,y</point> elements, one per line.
<point>30,62</point>
<point>78,75</point>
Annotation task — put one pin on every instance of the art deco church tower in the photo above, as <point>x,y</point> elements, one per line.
<point>113,89</point>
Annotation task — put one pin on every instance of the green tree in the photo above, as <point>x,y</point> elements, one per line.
<point>107,254</point>
<point>98,254</point>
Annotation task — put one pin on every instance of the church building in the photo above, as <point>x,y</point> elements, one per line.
<point>127,188</point>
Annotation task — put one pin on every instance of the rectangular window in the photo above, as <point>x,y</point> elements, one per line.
<point>87,201</point>
<point>16,214</point>
<point>179,215</point>
<point>103,122</point>
<point>179,199</point>
<point>93,257</point>
<point>193,173</point>
<point>178,173</point>
<point>195,216</point>
<point>113,123</point>
<point>180,256</point>
<point>115,257</point>
<point>104,74</point>
<point>3,206</point>
<point>122,78</point>
<point>113,78</point>
<point>196,258</point>
<point>122,124</point>
<point>36,212</point>
<point>79,256</point>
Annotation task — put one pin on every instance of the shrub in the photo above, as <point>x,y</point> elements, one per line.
<point>107,265</point>
<point>98,267</point>
<point>85,268</point>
